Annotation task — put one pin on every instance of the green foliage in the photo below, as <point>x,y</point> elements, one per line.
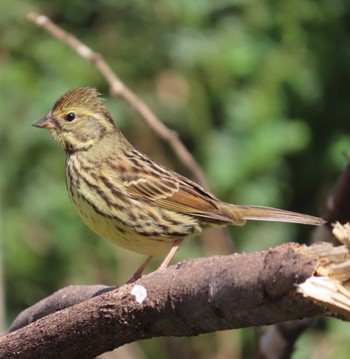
<point>257,90</point>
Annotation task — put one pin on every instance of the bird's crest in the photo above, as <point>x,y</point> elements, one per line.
<point>82,97</point>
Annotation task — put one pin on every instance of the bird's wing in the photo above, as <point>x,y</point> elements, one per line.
<point>175,193</point>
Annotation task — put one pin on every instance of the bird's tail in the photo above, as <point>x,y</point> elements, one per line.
<point>260,213</point>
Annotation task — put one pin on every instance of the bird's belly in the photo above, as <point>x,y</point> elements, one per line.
<point>143,234</point>
<point>110,229</point>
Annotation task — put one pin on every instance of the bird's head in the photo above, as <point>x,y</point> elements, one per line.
<point>78,120</point>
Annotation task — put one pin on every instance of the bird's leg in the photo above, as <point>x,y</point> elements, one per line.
<point>137,275</point>
<point>170,255</point>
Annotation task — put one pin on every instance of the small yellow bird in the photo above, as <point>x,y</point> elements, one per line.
<point>123,196</point>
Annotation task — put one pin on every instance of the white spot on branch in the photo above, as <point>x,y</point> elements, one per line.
<point>139,292</point>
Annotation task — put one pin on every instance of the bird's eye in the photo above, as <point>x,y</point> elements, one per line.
<point>70,116</point>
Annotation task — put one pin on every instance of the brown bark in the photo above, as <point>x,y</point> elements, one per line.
<point>190,298</point>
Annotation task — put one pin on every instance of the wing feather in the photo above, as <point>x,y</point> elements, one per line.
<point>176,194</point>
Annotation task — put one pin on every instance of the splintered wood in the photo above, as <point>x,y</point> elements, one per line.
<point>330,285</point>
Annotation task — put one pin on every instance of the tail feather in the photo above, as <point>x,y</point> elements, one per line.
<point>260,213</point>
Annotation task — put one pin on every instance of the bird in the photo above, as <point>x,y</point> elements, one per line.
<point>129,199</point>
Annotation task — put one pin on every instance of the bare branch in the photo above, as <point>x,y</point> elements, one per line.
<point>118,88</point>
<point>337,206</point>
<point>190,298</point>
<point>63,298</point>
<point>279,340</point>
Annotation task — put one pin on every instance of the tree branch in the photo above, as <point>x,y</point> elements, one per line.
<point>278,341</point>
<point>189,298</point>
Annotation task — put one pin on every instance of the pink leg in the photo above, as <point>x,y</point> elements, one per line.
<point>137,275</point>
<point>170,255</point>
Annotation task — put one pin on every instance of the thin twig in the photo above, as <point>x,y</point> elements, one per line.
<point>118,88</point>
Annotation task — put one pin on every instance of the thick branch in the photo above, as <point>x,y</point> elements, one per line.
<point>63,298</point>
<point>190,298</point>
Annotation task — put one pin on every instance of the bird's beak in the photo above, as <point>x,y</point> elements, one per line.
<point>45,122</point>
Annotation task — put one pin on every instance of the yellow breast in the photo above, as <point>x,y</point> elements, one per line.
<point>148,230</point>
